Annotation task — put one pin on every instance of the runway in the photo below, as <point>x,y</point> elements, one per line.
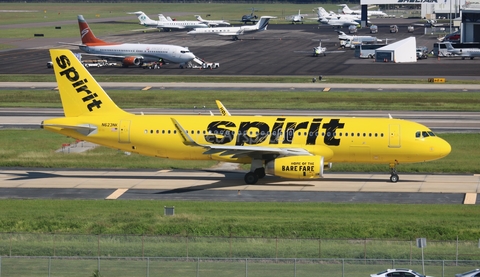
<point>210,185</point>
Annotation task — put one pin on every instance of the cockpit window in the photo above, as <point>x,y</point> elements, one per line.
<point>424,134</point>
<point>183,51</point>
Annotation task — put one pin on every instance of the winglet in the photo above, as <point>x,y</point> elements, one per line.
<point>187,140</point>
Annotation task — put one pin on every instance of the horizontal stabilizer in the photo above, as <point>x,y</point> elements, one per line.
<point>86,129</point>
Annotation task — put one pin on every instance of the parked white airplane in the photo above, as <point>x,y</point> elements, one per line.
<point>319,51</point>
<point>130,53</point>
<point>463,52</point>
<point>324,16</point>
<point>296,18</point>
<point>212,22</point>
<point>340,22</point>
<point>351,41</point>
<point>166,24</point>
<point>347,10</point>
<point>430,23</point>
<point>234,31</point>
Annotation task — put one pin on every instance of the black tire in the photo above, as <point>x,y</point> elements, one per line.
<point>251,178</point>
<point>394,178</point>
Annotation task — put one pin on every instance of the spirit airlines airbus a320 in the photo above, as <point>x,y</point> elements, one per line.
<point>130,53</point>
<point>285,146</point>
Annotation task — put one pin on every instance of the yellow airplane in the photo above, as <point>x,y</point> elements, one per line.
<point>285,146</point>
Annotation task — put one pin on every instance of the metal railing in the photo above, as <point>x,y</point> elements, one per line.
<point>26,244</point>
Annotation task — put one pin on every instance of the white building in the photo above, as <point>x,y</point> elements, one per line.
<point>403,51</point>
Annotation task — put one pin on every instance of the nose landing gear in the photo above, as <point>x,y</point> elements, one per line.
<point>393,173</point>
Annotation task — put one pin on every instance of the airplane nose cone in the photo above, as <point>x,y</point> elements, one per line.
<point>444,148</point>
<point>440,148</point>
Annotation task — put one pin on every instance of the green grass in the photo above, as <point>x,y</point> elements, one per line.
<point>215,267</point>
<point>310,100</point>
<point>240,219</point>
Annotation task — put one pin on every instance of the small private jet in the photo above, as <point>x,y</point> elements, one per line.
<point>212,23</point>
<point>296,18</point>
<point>167,25</point>
<point>319,51</point>
<point>347,10</point>
<point>234,31</point>
<point>463,52</point>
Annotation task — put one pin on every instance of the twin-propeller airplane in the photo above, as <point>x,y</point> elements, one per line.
<point>285,146</point>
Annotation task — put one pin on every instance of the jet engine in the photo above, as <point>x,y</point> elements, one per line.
<point>132,61</point>
<point>297,167</point>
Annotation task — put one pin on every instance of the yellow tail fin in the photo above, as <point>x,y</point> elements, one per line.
<point>79,91</point>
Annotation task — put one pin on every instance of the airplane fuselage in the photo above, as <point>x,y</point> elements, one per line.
<point>225,31</point>
<point>363,140</point>
<point>149,52</point>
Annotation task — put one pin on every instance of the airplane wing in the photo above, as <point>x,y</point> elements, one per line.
<point>146,29</point>
<point>106,56</point>
<point>239,151</point>
<point>171,27</point>
<point>73,44</point>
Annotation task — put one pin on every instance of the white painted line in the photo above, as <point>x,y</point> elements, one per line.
<point>116,194</point>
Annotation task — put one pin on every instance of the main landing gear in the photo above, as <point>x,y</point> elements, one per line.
<point>393,173</point>
<point>257,171</point>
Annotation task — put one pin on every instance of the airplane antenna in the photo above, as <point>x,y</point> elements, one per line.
<point>390,116</point>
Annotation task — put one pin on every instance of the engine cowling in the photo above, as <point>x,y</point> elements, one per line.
<point>296,167</point>
<point>132,61</point>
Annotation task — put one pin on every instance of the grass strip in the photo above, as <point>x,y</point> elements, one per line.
<point>306,100</point>
<point>241,219</point>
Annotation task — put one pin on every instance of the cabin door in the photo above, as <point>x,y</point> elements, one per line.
<point>394,136</point>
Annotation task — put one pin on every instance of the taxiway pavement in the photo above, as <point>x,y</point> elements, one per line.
<point>229,186</point>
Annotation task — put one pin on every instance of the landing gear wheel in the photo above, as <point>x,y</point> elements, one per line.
<point>393,172</point>
<point>260,172</point>
<point>251,178</point>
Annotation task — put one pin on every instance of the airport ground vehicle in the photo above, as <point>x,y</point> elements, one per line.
<point>422,52</point>
<point>209,65</point>
<point>399,272</point>
<point>393,29</point>
<point>373,29</point>
<point>471,273</point>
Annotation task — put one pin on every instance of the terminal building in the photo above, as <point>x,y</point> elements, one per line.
<point>464,15</point>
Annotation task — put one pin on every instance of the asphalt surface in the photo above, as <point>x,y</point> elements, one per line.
<point>272,52</point>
